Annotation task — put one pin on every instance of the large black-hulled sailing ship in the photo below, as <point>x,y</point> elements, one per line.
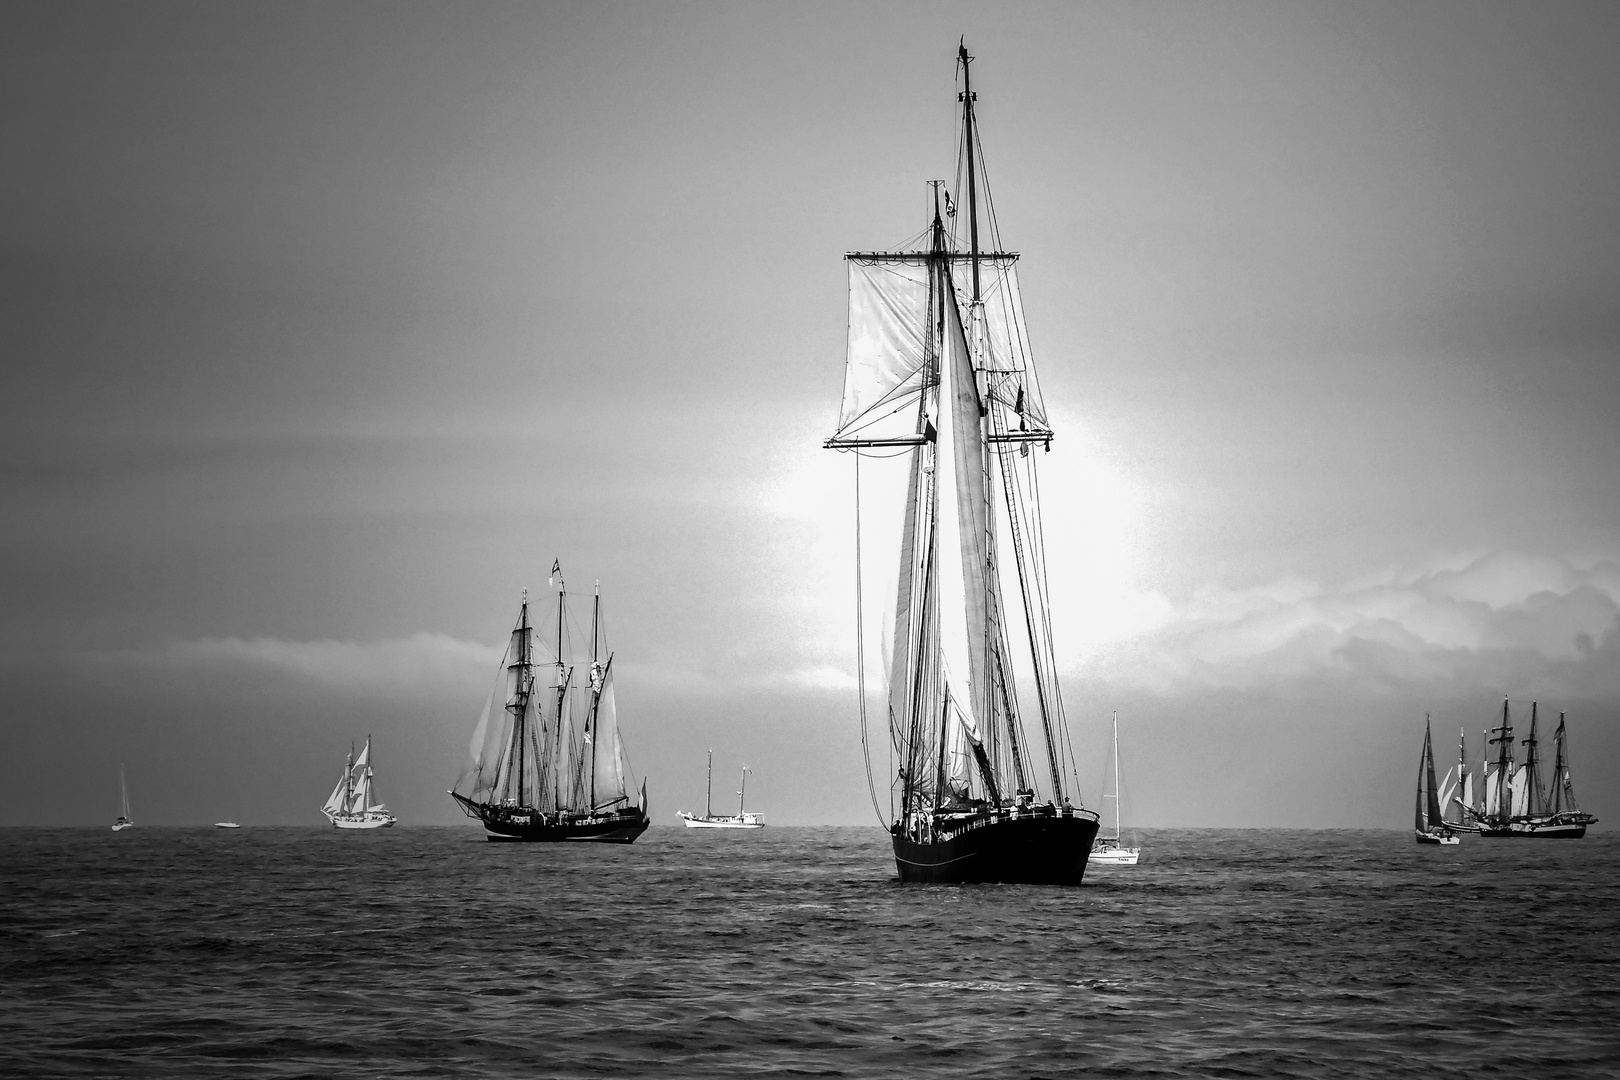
<point>553,769</point>
<point>939,372</point>
<point>1515,804</point>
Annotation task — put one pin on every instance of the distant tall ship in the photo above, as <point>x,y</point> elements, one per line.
<point>1430,827</point>
<point>939,371</point>
<point>353,804</point>
<point>552,768</point>
<point>742,819</point>
<point>1515,802</point>
<point>124,820</point>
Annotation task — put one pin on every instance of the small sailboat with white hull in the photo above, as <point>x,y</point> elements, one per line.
<point>124,820</point>
<point>552,768</point>
<point>940,374</point>
<point>1430,826</point>
<point>1107,850</point>
<point>353,804</point>
<point>742,819</point>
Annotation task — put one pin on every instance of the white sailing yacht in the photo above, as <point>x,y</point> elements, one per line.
<point>1429,824</point>
<point>1107,850</point>
<point>352,803</point>
<point>707,820</point>
<point>124,820</point>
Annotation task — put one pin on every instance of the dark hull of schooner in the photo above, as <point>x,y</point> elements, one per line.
<point>1559,830</point>
<point>1024,849</point>
<point>522,824</point>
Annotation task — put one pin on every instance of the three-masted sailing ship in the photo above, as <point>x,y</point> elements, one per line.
<point>552,767</point>
<point>939,372</point>
<point>354,804</point>
<point>742,819</point>
<point>1430,825</point>
<point>1515,802</point>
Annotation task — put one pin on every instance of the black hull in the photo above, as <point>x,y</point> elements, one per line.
<point>522,825</point>
<point>1546,832</point>
<point>1028,849</point>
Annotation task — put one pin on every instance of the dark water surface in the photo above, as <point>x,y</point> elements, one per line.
<point>795,952</point>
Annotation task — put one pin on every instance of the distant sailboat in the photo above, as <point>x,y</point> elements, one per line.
<point>124,820</point>
<point>554,769</point>
<point>1515,803</point>
<point>1107,850</point>
<point>707,820</point>
<point>1430,826</point>
<point>352,804</point>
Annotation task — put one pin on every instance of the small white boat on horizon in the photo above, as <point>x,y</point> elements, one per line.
<point>124,820</point>
<point>707,820</point>
<point>226,825</point>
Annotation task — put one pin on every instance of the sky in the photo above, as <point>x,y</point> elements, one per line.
<point>325,328</point>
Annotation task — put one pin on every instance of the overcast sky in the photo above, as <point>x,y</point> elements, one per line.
<point>325,327</point>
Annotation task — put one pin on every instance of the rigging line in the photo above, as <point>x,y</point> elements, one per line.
<point>860,649</point>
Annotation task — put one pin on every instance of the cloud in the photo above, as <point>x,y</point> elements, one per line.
<point>397,667</point>
<point>1512,623</point>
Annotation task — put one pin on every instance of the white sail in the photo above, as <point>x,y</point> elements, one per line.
<point>1519,791</point>
<point>961,519</point>
<point>1468,790</point>
<point>888,321</point>
<point>887,359</point>
<point>609,754</point>
<point>1493,790</point>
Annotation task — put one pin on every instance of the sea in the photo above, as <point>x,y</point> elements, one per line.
<point>795,952</point>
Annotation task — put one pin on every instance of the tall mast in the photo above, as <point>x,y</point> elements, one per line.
<point>1462,773</point>
<point>1531,768</point>
<point>596,686</point>
<point>1503,741</point>
<point>520,705</point>
<point>1116,776</point>
<point>967,137</point>
<point>742,786</point>
<point>708,788</point>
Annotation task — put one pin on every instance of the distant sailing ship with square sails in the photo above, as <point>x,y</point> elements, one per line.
<point>353,804</point>
<point>940,374</point>
<point>552,767</point>
<point>1514,802</point>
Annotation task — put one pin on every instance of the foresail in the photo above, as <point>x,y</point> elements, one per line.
<point>334,801</point>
